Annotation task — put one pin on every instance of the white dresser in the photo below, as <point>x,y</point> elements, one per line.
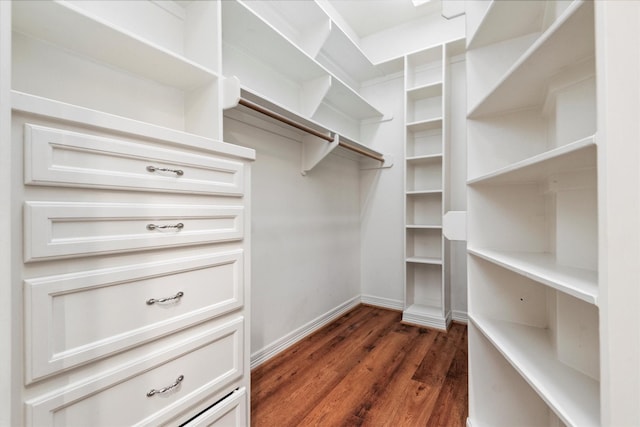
<point>135,271</point>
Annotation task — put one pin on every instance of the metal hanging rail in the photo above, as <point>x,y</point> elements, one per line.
<point>288,121</point>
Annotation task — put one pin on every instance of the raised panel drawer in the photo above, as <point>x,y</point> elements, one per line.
<point>65,229</point>
<point>230,412</point>
<point>70,159</point>
<point>75,318</point>
<point>208,363</point>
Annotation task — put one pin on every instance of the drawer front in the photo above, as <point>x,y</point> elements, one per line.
<point>230,412</point>
<point>65,229</point>
<point>75,318</point>
<point>150,391</point>
<point>70,159</point>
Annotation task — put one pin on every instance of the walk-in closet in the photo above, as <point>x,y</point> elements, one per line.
<point>320,212</point>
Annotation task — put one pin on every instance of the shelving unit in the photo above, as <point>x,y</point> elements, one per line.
<point>427,295</point>
<point>69,52</point>
<point>287,53</point>
<point>533,213</point>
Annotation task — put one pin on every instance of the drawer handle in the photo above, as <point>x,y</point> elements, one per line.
<point>178,172</point>
<point>152,227</point>
<point>166,389</point>
<point>176,297</point>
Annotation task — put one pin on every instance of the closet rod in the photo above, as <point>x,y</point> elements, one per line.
<point>307,129</point>
<point>283,119</point>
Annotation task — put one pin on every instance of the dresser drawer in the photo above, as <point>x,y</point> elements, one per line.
<point>71,159</point>
<point>64,229</point>
<point>230,412</point>
<point>75,318</point>
<point>149,391</point>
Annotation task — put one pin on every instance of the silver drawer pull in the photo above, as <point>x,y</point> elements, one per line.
<point>175,298</point>
<point>152,227</point>
<point>178,172</point>
<point>166,389</point>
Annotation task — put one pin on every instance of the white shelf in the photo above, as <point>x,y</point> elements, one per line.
<point>543,268</point>
<point>421,192</point>
<point>343,57</point>
<point>501,22</point>
<point>573,396</point>
<point>423,227</point>
<point>426,91</point>
<point>66,25</point>
<point>576,155</point>
<point>567,41</point>
<point>424,260</point>
<point>422,125</point>
<point>425,159</point>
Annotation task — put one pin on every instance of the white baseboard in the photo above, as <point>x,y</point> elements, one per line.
<point>267,352</point>
<point>423,319</point>
<point>460,316</point>
<point>391,304</point>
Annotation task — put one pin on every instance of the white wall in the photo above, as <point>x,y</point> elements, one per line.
<point>305,234</point>
<point>382,195</point>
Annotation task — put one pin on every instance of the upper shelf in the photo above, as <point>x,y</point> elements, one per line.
<point>296,74</point>
<point>72,28</point>
<point>496,21</point>
<point>580,154</point>
<point>568,40</point>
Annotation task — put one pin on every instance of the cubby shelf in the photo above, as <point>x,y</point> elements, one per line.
<point>424,260</point>
<point>422,125</point>
<point>425,91</point>
<point>543,268</point>
<point>572,395</point>
<point>525,82</point>
<point>68,26</point>
<point>424,159</point>
<point>577,155</point>
<point>421,192</point>
<point>423,227</point>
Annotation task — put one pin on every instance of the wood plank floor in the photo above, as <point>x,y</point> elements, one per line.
<point>365,368</point>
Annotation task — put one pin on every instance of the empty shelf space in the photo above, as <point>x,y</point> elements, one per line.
<point>424,260</point>
<point>543,268</point>
<point>422,125</point>
<point>572,395</point>
<point>430,158</point>
<point>577,155</point>
<point>424,310</point>
<point>68,26</point>
<point>567,41</point>
<point>426,91</point>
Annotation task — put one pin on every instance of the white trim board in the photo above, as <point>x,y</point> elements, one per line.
<point>459,316</point>
<point>391,304</point>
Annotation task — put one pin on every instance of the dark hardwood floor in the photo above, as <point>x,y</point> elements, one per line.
<point>365,368</point>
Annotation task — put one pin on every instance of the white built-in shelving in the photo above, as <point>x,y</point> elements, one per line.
<point>533,212</point>
<point>293,55</point>
<point>163,72</point>
<point>426,106</point>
